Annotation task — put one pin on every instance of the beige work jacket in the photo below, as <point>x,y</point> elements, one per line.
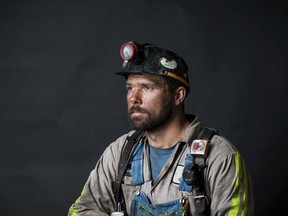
<point>227,180</point>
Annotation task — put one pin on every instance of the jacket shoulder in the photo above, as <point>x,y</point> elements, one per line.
<point>220,147</point>
<point>115,148</point>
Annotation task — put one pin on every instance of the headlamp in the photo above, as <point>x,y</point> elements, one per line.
<point>128,51</point>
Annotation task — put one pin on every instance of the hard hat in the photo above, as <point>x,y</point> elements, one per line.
<point>149,58</point>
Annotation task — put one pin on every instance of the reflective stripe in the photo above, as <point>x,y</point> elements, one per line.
<point>239,200</point>
<point>245,195</point>
<point>175,76</point>
<point>72,210</point>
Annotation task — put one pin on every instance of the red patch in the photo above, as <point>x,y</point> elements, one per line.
<point>195,146</point>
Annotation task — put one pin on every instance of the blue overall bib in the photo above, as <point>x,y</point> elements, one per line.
<point>141,206</point>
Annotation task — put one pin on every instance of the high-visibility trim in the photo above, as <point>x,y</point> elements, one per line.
<point>167,73</point>
<point>72,210</point>
<point>239,202</point>
<point>245,195</point>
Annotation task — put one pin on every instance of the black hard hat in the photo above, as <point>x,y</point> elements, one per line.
<point>149,58</point>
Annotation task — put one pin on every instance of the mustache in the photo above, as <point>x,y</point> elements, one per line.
<point>137,109</point>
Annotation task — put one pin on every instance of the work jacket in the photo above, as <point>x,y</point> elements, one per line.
<point>227,181</point>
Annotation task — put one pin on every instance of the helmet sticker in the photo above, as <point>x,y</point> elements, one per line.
<point>168,64</point>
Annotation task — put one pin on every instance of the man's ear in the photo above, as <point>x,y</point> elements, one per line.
<point>180,95</point>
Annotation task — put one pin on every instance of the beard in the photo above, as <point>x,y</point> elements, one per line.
<point>150,121</point>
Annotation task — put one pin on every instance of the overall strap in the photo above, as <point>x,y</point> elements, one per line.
<point>207,133</point>
<point>125,158</point>
<point>201,200</point>
<point>193,173</point>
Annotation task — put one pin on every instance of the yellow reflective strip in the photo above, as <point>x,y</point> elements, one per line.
<point>72,210</point>
<point>245,195</point>
<point>240,192</point>
<point>177,77</point>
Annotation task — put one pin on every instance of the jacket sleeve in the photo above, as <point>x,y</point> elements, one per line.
<point>230,186</point>
<point>97,198</point>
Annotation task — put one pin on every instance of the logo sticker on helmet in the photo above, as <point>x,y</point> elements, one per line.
<point>168,64</point>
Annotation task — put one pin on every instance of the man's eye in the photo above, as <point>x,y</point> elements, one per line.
<point>148,87</point>
<point>128,88</point>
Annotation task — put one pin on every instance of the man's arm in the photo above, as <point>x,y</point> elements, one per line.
<point>94,199</point>
<point>97,198</point>
<point>230,187</point>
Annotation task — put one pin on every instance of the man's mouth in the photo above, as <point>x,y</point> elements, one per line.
<point>136,111</point>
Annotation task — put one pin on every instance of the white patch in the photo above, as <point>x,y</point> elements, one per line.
<point>199,147</point>
<point>168,64</point>
<point>178,174</point>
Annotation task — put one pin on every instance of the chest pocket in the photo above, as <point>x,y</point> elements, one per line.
<point>142,207</point>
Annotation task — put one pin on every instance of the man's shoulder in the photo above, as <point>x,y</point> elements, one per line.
<point>123,137</point>
<point>221,147</point>
<point>119,142</point>
<point>115,148</point>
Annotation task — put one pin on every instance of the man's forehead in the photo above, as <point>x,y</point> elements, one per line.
<point>144,77</point>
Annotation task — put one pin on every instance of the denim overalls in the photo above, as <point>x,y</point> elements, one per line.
<point>141,205</point>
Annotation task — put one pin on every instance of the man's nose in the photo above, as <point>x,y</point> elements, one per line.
<point>135,97</point>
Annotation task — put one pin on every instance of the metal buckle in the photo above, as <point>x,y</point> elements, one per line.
<point>201,203</point>
<point>201,197</point>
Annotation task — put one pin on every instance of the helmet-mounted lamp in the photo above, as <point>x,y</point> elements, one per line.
<point>128,51</point>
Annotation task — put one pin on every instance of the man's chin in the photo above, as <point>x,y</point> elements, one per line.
<point>138,125</point>
<point>135,126</point>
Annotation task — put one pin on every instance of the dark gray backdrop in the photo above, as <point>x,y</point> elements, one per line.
<point>61,104</point>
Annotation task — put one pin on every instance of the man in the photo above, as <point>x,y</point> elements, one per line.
<point>176,166</point>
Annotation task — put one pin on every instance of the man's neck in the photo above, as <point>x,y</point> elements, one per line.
<point>168,134</point>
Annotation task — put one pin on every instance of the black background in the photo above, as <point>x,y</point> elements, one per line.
<point>61,104</point>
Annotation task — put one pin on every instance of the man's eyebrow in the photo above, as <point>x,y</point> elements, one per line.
<point>144,83</point>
